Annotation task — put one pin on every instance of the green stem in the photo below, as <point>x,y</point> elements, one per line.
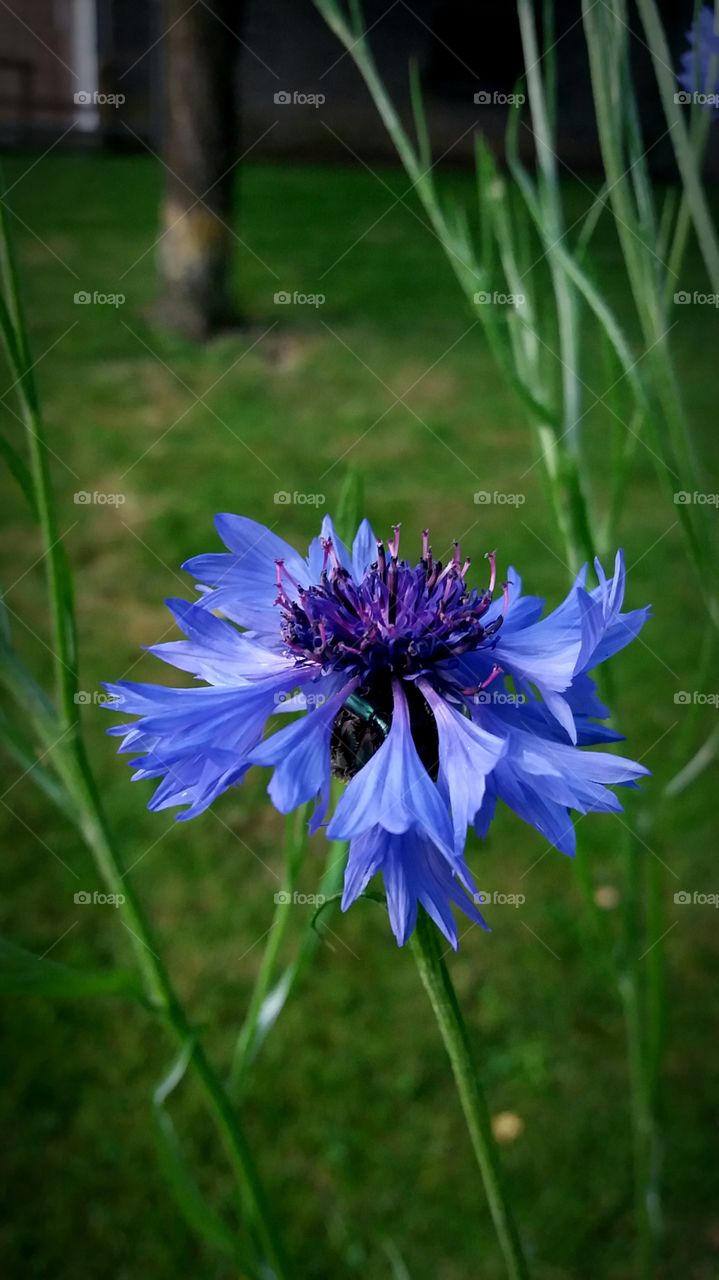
<point>439,988</point>
<point>74,767</point>
<point>295,849</point>
<point>643,1097</point>
<point>163,999</point>
<point>699,138</point>
<point>56,569</point>
<point>606,34</point>
<point>553,221</point>
<point>684,153</point>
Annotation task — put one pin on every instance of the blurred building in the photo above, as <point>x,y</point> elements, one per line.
<point>91,70</point>
<point>64,62</point>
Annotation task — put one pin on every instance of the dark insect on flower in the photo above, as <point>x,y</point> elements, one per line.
<point>358,731</point>
<point>430,698</point>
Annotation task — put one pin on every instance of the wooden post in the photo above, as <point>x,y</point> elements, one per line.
<point>200,148</point>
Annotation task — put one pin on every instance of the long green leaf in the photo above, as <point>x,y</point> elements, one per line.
<point>18,468</point>
<point>23,973</point>
<point>274,1002</point>
<point>193,1205</point>
<point>22,750</point>
<point>350,505</point>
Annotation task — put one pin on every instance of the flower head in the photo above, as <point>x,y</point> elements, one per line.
<point>430,698</point>
<point>700,63</point>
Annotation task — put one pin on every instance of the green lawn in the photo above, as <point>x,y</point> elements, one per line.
<point>350,1108</point>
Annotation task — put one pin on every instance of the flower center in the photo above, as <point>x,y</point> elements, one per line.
<point>400,619</point>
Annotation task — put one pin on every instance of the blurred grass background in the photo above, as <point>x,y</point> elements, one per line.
<point>357,1130</point>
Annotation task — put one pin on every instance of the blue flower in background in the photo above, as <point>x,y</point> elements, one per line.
<point>700,64</point>
<point>430,698</point>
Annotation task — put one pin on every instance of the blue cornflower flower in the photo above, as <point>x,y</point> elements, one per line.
<point>430,698</point>
<point>700,63</point>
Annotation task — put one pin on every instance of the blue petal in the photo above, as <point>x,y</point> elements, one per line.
<point>300,753</point>
<point>316,555</point>
<point>364,550</point>
<point>545,653</point>
<point>620,633</point>
<point>329,531</point>
<point>467,754</point>
<point>244,583</point>
<point>216,651</point>
<point>415,873</point>
<point>393,789</point>
<point>541,778</point>
<point>401,901</point>
<point>559,708</point>
<point>520,611</point>
<point>365,858</point>
<point>607,629</point>
<point>244,592</point>
<point>484,816</point>
<point>198,739</point>
<point>551,820</point>
<point>255,543</point>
